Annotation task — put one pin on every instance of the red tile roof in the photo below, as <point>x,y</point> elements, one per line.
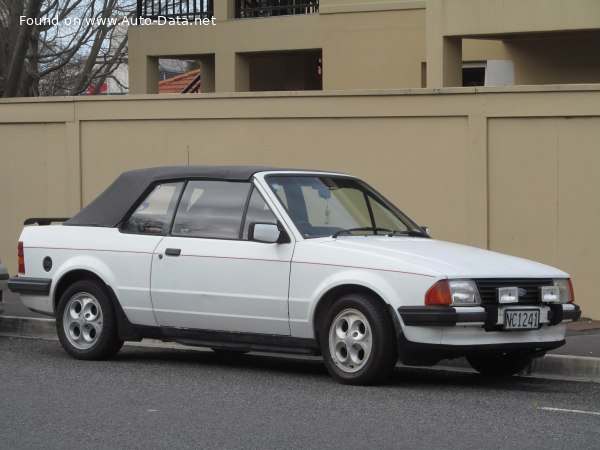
<point>176,84</point>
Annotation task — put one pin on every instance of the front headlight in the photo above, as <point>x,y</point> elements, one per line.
<point>464,293</point>
<point>565,289</point>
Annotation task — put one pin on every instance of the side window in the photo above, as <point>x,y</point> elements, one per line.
<point>211,209</point>
<point>154,214</point>
<point>258,211</point>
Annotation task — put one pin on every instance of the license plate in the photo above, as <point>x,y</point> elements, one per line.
<point>521,319</point>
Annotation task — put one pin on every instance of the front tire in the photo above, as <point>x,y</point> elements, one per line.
<point>500,364</point>
<point>86,323</point>
<point>357,341</point>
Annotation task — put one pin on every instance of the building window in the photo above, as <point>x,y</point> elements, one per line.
<point>473,74</point>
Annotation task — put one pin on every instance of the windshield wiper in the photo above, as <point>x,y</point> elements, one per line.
<point>412,233</point>
<point>351,230</point>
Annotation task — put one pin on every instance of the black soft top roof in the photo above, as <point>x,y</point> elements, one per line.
<point>109,208</point>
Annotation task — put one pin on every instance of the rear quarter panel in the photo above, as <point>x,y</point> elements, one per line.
<point>122,261</point>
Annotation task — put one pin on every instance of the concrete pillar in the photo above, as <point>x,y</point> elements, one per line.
<point>143,74</point>
<point>207,71</point>
<point>444,63</point>
<point>224,72</point>
<point>444,54</point>
<point>151,75</point>
<point>143,70</point>
<point>232,72</point>
<point>452,62</point>
<point>477,183</point>
<point>242,73</point>
<point>224,10</point>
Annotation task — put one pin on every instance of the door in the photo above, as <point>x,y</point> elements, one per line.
<point>207,275</point>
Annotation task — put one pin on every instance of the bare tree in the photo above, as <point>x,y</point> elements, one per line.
<point>60,47</point>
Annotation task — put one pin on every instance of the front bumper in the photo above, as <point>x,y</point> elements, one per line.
<point>429,334</point>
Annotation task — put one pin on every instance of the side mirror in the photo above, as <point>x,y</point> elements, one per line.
<point>425,229</point>
<point>268,233</point>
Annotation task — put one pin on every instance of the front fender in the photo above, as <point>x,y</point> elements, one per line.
<point>372,281</point>
<point>395,288</point>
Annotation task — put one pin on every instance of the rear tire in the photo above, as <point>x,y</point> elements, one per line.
<point>86,323</point>
<point>358,340</point>
<point>500,364</point>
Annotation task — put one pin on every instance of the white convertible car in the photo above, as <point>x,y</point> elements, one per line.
<point>259,259</point>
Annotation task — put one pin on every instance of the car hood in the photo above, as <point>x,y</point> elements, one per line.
<point>433,257</point>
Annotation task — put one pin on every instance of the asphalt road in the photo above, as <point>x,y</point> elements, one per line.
<point>166,398</point>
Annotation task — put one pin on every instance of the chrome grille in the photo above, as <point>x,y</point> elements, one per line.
<point>488,289</point>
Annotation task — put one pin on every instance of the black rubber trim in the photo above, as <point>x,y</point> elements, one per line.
<point>245,213</point>
<point>492,317</point>
<point>4,276</point>
<point>559,313</point>
<point>443,316</point>
<point>128,331</point>
<point>241,341</point>
<point>26,285</point>
<point>572,314</point>
<point>42,221</point>
<point>208,338</point>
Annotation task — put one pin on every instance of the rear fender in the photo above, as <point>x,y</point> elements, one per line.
<point>88,263</point>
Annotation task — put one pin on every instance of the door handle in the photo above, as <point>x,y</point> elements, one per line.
<point>173,252</point>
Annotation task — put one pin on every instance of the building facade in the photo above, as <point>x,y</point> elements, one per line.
<point>254,45</point>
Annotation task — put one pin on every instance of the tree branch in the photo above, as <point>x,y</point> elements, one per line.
<point>17,60</point>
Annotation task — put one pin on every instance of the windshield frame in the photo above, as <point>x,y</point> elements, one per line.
<point>367,190</point>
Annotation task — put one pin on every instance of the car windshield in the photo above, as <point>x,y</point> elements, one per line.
<point>333,206</point>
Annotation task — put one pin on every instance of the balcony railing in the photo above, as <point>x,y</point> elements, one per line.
<point>199,9</point>
<point>268,8</point>
<point>181,9</point>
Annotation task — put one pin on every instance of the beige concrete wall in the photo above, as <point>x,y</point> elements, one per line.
<point>542,190</point>
<point>373,50</point>
<point>508,169</point>
<point>489,17</point>
<point>555,59</point>
<point>39,173</point>
<point>383,45</point>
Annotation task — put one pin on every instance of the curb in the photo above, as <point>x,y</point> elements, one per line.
<point>568,367</point>
<point>28,326</point>
<point>577,368</point>
<point>564,367</point>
